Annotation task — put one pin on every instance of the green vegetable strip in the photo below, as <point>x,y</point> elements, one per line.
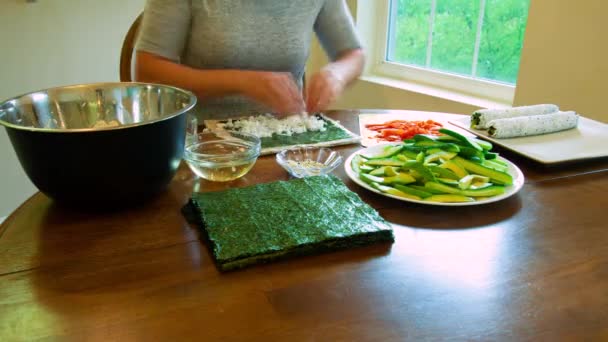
<point>445,168</point>
<point>495,175</point>
<point>467,141</point>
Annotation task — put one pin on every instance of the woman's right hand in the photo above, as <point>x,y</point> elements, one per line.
<point>277,90</point>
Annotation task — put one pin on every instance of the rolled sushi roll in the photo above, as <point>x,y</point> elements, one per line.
<point>532,125</point>
<point>481,118</point>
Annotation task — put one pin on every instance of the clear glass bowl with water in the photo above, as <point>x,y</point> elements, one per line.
<point>222,156</point>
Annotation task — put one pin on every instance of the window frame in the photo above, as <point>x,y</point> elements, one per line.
<point>373,18</point>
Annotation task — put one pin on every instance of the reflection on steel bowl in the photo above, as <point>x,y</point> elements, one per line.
<point>99,144</point>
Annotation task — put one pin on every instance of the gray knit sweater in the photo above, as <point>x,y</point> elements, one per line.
<point>272,35</point>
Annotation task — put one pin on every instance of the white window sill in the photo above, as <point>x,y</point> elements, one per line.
<point>440,93</point>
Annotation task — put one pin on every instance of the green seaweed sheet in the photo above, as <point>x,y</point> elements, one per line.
<point>264,222</point>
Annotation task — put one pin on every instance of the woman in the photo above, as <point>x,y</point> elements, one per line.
<point>248,56</point>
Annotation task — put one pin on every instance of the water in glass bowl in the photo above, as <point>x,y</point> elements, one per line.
<point>222,159</point>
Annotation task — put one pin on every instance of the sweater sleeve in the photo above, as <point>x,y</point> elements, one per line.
<point>335,28</point>
<point>165,28</point>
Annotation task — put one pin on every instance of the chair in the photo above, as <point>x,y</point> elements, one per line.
<point>126,53</point>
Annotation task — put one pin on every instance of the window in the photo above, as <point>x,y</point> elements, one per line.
<point>470,46</point>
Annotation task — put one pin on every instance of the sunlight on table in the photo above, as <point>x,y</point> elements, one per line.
<point>465,259</point>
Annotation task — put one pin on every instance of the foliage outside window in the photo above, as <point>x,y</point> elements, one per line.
<point>481,39</point>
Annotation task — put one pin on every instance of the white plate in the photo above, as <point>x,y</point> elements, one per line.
<point>518,181</point>
<point>368,136</point>
<point>589,140</point>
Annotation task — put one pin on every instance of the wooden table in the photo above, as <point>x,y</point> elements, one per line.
<point>532,267</point>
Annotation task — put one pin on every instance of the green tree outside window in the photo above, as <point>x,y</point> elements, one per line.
<point>455,25</point>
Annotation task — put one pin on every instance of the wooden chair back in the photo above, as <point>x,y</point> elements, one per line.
<point>126,53</point>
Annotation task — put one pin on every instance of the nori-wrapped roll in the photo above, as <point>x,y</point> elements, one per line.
<point>481,118</point>
<point>524,126</point>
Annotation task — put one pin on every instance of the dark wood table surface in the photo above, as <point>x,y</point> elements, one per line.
<point>531,267</point>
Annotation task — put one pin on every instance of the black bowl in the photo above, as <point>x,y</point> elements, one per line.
<point>104,144</point>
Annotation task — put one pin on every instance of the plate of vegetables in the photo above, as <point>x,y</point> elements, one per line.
<point>449,169</point>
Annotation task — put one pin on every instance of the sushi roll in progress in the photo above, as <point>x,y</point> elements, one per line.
<point>532,125</point>
<point>481,118</point>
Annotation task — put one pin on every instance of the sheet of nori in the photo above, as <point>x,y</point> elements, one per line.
<point>264,222</point>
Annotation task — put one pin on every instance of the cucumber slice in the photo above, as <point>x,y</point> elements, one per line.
<point>400,178</point>
<point>355,163</point>
<point>366,168</point>
<point>496,176</point>
<point>393,191</point>
<point>425,145</point>
<point>384,162</point>
<point>422,188</point>
<point>446,189</point>
<point>408,189</point>
<point>485,192</point>
<point>494,165</point>
<point>446,138</point>
<point>424,137</point>
<point>486,145</point>
<point>389,151</point>
<point>447,181</point>
<point>384,171</point>
<point>369,179</point>
<point>471,153</point>
<point>467,141</point>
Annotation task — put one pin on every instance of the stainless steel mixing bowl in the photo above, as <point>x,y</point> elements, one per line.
<point>99,144</point>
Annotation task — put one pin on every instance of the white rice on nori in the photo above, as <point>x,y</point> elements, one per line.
<point>264,126</point>
<point>481,118</point>
<point>532,125</point>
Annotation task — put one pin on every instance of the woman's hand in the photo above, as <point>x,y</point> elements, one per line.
<point>324,88</point>
<point>277,90</point>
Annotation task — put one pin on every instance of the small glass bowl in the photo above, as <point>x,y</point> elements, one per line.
<point>303,161</point>
<point>222,156</point>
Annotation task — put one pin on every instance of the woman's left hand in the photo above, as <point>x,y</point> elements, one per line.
<point>324,88</point>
